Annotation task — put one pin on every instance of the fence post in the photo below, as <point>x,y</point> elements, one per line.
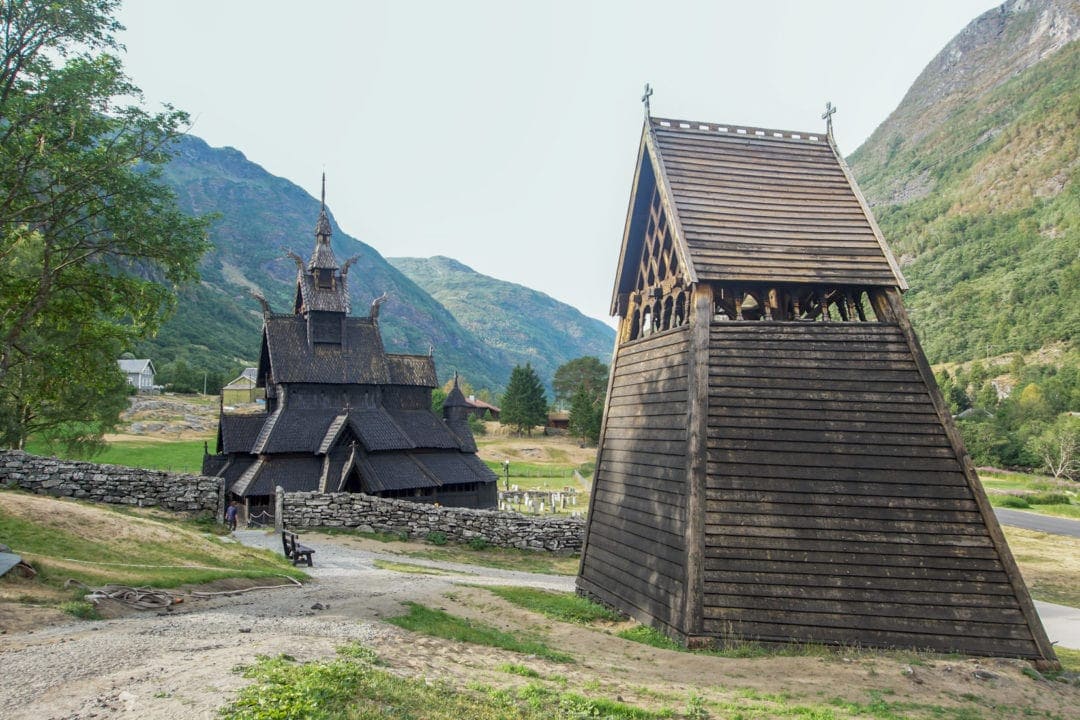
<point>279,508</point>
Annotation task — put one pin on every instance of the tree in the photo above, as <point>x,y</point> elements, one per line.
<point>1059,447</point>
<point>92,246</point>
<point>583,372</point>
<point>524,404</point>
<point>587,414</point>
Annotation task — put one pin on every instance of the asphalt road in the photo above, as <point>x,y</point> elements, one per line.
<point>1041,523</point>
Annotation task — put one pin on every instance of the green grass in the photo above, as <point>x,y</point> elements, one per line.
<point>183,456</point>
<point>649,636</point>
<point>1034,493</point>
<point>1069,658</point>
<point>565,607</point>
<point>80,609</point>
<point>518,669</point>
<point>353,687</point>
<point>425,620</point>
<point>125,549</point>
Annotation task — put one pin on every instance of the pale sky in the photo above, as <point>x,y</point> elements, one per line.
<point>504,134</point>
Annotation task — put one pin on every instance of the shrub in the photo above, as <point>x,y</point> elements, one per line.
<point>435,537</point>
<point>81,609</point>
<point>1049,498</point>
<point>1014,501</point>
<point>479,543</point>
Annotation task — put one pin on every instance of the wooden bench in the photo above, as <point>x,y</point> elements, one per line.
<point>294,550</point>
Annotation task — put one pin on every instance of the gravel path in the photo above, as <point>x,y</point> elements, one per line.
<point>179,664</point>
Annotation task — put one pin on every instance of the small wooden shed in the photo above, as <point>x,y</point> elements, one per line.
<point>776,462</point>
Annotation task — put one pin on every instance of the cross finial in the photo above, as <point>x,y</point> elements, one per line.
<point>323,190</point>
<point>645,98</point>
<point>830,110</point>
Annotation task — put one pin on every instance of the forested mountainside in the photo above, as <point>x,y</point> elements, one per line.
<point>973,179</point>
<point>529,326</point>
<point>217,323</point>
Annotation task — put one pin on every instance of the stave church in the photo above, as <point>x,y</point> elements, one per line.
<point>341,413</point>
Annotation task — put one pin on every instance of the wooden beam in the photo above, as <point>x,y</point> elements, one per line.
<point>697,422</point>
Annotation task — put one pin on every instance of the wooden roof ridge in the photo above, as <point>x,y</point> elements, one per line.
<point>735,129</point>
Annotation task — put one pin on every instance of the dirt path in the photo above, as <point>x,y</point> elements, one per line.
<point>179,664</point>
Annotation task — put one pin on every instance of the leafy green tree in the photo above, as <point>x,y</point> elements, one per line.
<point>524,404</point>
<point>438,397</point>
<point>583,372</point>
<point>92,246</point>
<point>587,414</point>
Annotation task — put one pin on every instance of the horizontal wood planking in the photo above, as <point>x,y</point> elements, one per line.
<point>836,507</point>
<point>756,208</point>
<point>645,500</point>
<point>775,632</point>
<point>840,510</point>
<point>791,494</point>
<point>832,479</point>
<point>639,561</point>
<point>1009,615</point>
<point>886,560</point>
<point>856,548</point>
<point>902,587</point>
<point>903,540</point>
<point>752,593</point>
<point>637,547</point>
<point>879,623</point>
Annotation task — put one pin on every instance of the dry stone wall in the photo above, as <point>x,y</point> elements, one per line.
<point>111,484</point>
<point>304,510</point>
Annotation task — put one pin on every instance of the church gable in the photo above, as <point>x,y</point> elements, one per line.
<point>768,206</point>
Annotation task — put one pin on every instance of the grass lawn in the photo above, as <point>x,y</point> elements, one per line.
<point>561,606</point>
<point>183,456</point>
<point>354,686</point>
<point>1034,493</point>
<point>99,545</point>
<point>438,623</point>
<point>1050,564</point>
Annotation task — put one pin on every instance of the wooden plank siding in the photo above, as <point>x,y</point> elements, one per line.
<point>836,507</point>
<point>766,207</point>
<point>635,554</point>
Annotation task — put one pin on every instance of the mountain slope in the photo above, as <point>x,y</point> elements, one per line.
<point>218,324</point>
<point>527,325</point>
<point>974,179</point>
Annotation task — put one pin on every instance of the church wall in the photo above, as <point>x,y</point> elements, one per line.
<point>837,508</point>
<point>635,555</point>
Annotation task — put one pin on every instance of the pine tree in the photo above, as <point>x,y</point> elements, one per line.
<point>524,404</point>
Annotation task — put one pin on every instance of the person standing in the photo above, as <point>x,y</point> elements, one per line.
<point>230,516</point>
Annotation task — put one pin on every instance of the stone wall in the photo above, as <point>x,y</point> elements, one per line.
<point>111,483</point>
<point>503,529</point>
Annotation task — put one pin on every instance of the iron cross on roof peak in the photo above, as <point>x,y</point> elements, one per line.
<point>830,110</point>
<point>645,98</point>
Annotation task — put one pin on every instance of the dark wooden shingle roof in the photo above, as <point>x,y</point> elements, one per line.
<point>359,360</point>
<point>238,433</point>
<point>751,205</point>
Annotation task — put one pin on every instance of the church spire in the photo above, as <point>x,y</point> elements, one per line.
<point>323,257</point>
<point>322,226</point>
